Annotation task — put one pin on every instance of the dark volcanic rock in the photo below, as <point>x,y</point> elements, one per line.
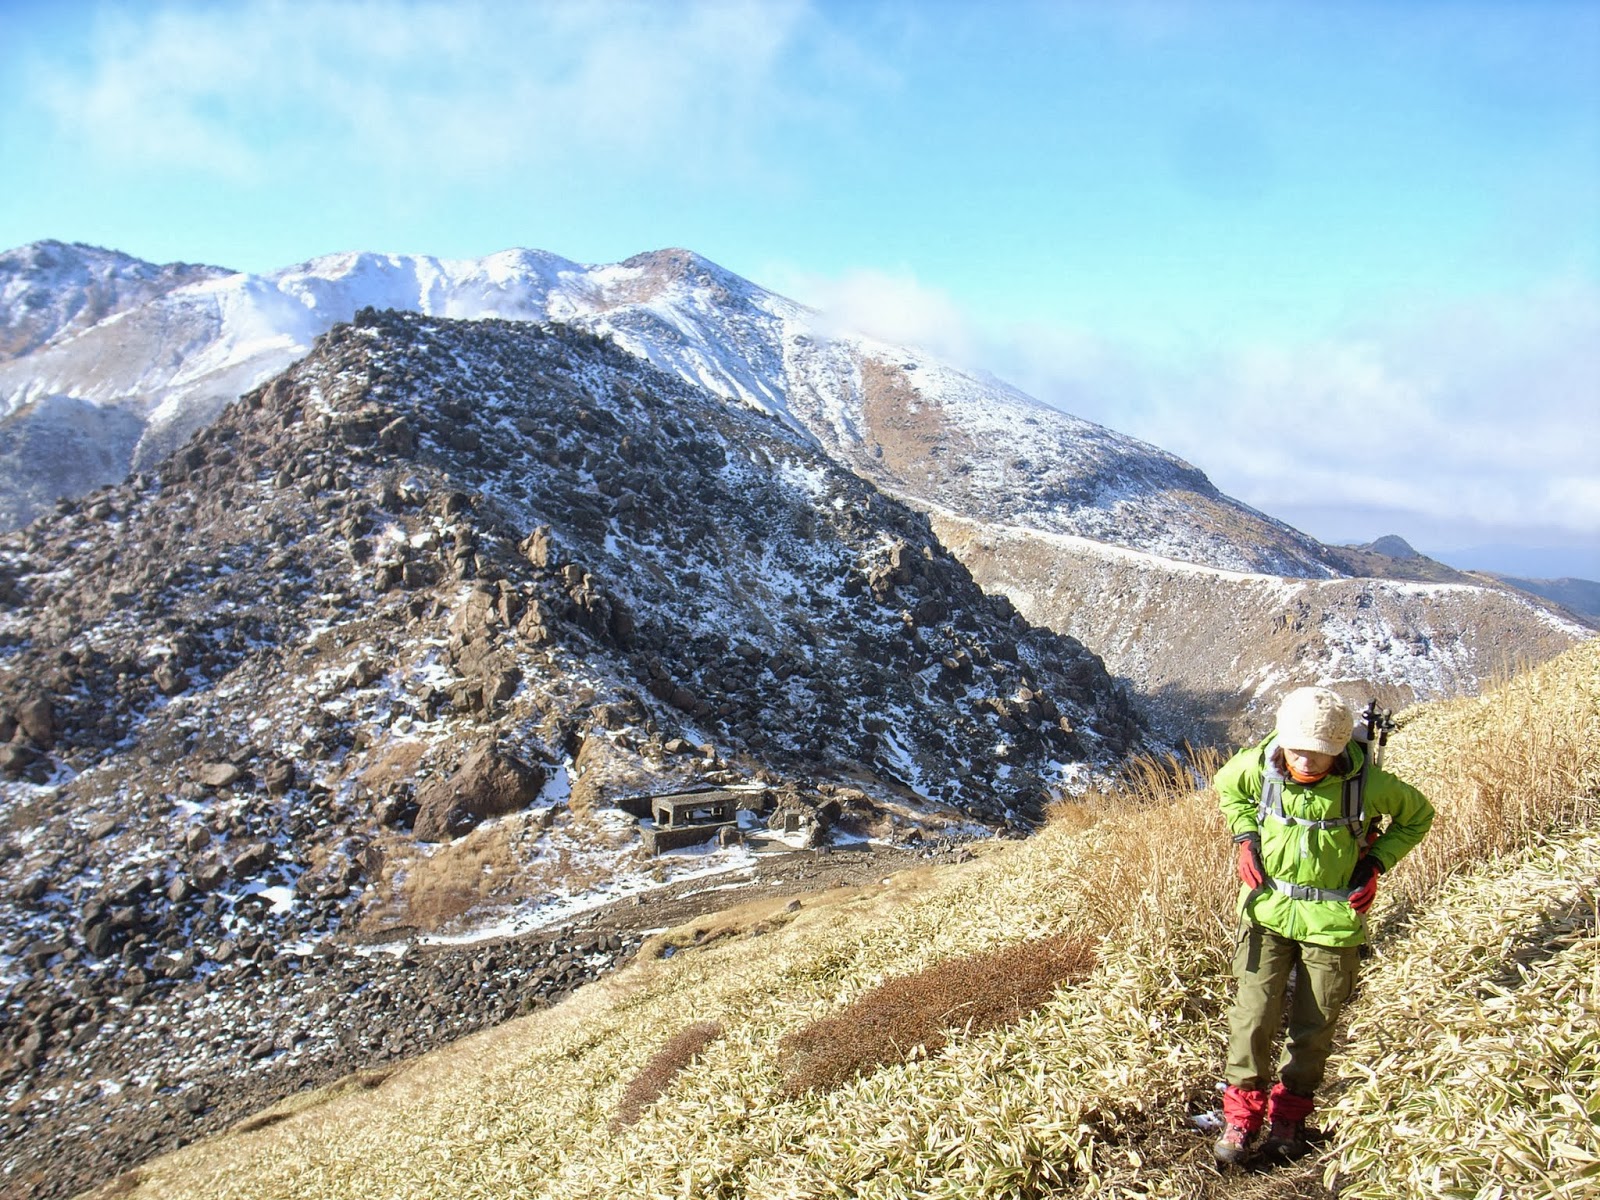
<point>252,860</point>
<point>36,717</point>
<point>266,659</point>
<point>489,783</point>
<point>279,777</point>
<point>219,775</point>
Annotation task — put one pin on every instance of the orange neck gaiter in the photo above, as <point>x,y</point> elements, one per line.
<point>1307,779</point>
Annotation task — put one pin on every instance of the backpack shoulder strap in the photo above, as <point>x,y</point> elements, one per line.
<point>1352,807</point>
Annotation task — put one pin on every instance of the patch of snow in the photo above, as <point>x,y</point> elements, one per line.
<point>903,764</point>
<point>692,863</point>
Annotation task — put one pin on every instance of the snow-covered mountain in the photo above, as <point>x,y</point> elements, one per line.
<point>406,641</point>
<point>50,291</point>
<point>120,382</point>
<point>127,390</point>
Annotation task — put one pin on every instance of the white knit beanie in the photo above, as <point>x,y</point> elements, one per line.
<point>1314,718</point>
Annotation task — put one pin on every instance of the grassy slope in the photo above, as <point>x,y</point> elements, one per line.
<point>1090,1095</point>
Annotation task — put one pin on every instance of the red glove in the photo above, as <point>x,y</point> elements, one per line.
<point>1364,882</point>
<point>1251,872</point>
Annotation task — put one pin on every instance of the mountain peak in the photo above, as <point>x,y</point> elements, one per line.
<point>673,260</point>
<point>51,290</point>
<point>1392,545</point>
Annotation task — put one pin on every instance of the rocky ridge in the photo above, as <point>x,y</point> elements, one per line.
<point>935,435</point>
<point>50,291</point>
<point>438,563</point>
<point>1210,653</point>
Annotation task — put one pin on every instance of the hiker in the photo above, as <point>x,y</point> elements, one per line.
<point>1304,808</point>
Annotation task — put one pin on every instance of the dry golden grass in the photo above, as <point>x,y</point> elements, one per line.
<point>1144,781</point>
<point>397,763</point>
<point>1501,769</point>
<point>499,863</point>
<point>657,1075</point>
<point>754,918</point>
<point>916,1013</point>
<point>1156,849</point>
<point>1481,1075</point>
<point>301,1101</point>
<point>1088,1094</point>
<point>460,876</point>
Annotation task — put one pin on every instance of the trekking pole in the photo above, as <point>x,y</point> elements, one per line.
<point>1379,722</point>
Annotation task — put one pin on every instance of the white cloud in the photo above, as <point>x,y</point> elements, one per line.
<point>892,306</point>
<point>1462,425</point>
<point>1488,415</point>
<point>250,91</point>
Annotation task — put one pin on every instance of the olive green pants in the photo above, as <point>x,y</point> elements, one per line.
<point>1262,964</point>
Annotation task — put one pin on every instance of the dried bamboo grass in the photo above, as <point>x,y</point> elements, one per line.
<point>1474,1061</point>
<point>656,1076</point>
<point>1083,1097</point>
<point>915,1014</point>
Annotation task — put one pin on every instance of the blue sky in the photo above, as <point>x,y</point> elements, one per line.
<point>1345,257</point>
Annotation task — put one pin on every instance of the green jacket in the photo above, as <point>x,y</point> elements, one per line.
<point>1315,858</point>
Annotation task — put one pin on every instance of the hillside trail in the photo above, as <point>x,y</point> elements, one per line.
<point>687,914</point>
<point>796,875</point>
<point>696,912</point>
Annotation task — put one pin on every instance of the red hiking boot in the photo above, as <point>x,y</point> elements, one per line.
<point>1286,1136</point>
<point>1243,1110</point>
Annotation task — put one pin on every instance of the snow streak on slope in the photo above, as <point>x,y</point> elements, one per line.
<point>936,435</point>
<point>1213,651</point>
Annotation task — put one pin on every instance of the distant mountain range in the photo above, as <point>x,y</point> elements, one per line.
<point>1581,596</point>
<point>173,345</point>
<point>431,578</point>
<point>1392,556</point>
<point>115,363</point>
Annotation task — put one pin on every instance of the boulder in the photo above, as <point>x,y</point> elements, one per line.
<point>502,685</point>
<point>537,547</point>
<point>99,939</point>
<point>279,777</point>
<point>490,783</point>
<point>253,859</point>
<point>15,758</point>
<point>209,876</point>
<point>169,679</point>
<point>508,604</point>
<point>536,622</point>
<point>218,774</point>
<point>398,436</point>
<point>363,672</point>
<point>37,718</point>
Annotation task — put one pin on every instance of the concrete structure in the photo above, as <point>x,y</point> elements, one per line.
<point>686,818</point>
